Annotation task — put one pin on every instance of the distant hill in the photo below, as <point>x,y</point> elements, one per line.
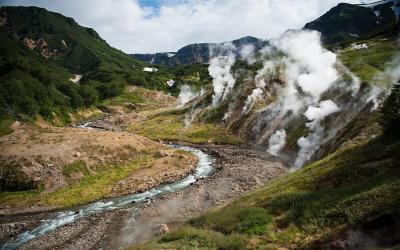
<point>195,53</point>
<point>348,21</point>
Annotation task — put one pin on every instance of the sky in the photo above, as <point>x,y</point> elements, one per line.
<point>148,26</point>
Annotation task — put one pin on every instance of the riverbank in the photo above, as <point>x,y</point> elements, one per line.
<point>45,168</point>
<point>238,171</point>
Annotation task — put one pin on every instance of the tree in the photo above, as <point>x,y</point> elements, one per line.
<point>89,95</point>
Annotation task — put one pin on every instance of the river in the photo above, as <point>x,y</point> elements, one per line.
<point>203,169</point>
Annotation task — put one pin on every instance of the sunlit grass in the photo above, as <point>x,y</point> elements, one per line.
<point>172,127</point>
<point>92,187</point>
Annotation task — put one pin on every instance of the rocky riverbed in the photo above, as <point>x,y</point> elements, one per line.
<point>238,171</point>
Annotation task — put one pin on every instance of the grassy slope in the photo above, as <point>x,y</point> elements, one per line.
<point>170,125</point>
<point>349,188</point>
<point>93,186</point>
<point>367,63</point>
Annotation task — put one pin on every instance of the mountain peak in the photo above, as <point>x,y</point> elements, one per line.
<point>347,21</point>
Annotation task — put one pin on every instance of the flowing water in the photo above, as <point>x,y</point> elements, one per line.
<point>203,169</point>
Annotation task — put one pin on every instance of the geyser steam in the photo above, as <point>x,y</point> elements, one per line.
<point>220,71</point>
<point>276,142</point>
<point>309,71</point>
<point>186,95</point>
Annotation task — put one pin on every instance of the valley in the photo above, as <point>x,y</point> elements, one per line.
<point>291,142</point>
<point>233,177</point>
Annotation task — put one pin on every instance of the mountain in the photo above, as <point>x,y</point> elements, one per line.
<point>348,21</point>
<point>195,53</point>
<point>41,50</point>
<point>62,40</point>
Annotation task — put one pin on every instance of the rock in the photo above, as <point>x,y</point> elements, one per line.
<point>131,106</point>
<point>183,157</point>
<point>257,181</point>
<point>77,154</point>
<point>160,154</point>
<point>161,229</point>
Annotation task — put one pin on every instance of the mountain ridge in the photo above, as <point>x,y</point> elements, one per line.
<point>347,22</point>
<point>196,53</point>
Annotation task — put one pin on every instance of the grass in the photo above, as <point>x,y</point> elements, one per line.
<point>76,167</point>
<point>139,96</point>
<point>5,123</point>
<point>125,97</point>
<point>193,238</point>
<point>367,63</point>
<point>171,126</point>
<point>20,198</point>
<point>93,186</point>
<point>347,189</point>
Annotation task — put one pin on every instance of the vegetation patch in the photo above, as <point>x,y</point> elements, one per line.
<point>349,188</point>
<point>194,238</point>
<point>93,186</point>
<point>5,123</point>
<point>172,127</point>
<point>76,167</point>
<point>367,63</point>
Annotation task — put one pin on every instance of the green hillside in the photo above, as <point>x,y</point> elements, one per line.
<point>39,52</point>
<point>353,190</point>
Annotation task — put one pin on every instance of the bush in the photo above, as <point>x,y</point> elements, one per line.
<point>89,94</point>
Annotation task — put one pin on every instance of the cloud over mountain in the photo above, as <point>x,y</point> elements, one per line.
<point>153,26</point>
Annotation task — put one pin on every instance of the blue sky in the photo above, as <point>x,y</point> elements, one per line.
<point>152,3</point>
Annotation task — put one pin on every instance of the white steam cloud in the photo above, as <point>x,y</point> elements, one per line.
<point>276,142</point>
<point>248,53</point>
<point>220,71</point>
<point>324,109</point>
<point>308,71</point>
<point>308,145</point>
<point>186,95</point>
<point>267,69</point>
<point>308,65</point>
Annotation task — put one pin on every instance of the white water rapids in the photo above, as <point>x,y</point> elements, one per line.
<point>203,169</point>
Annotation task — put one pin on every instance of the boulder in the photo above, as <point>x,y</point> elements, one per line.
<point>161,229</point>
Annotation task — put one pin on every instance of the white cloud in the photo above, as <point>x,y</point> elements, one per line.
<point>128,26</point>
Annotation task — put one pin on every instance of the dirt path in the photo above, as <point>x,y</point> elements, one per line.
<point>238,171</point>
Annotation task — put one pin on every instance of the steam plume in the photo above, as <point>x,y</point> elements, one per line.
<point>276,142</point>
<point>220,71</point>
